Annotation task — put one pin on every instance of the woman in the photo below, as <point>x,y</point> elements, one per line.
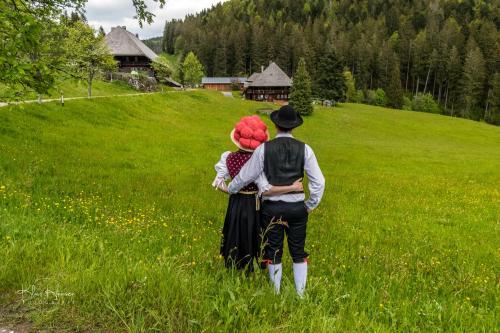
<point>240,235</point>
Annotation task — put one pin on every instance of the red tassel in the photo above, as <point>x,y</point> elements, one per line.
<point>267,262</point>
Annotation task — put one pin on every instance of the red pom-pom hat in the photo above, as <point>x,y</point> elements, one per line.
<point>249,133</point>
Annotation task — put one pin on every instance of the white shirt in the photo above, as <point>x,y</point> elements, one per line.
<point>253,171</point>
<point>222,175</point>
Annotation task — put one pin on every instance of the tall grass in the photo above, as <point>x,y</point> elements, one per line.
<point>107,204</point>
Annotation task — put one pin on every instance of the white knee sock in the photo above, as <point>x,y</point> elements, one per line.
<point>300,277</point>
<point>275,276</point>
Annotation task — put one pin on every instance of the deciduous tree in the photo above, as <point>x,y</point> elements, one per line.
<point>162,67</point>
<point>30,39</point>
<point>88,54</point>
<point>350,84</point>
<point>192,70</point>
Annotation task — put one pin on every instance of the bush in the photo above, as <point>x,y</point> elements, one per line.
<point>162,68</point>
<point>380,97</point>
<point>376,97</point>
<point>425,103</point>
<point>369,97</point>
<point>360,96</point>
<point>407,103</point>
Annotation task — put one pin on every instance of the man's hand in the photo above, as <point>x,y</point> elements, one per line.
<point>297,186</point>
<point>309,210</point>
<point>222,187</point>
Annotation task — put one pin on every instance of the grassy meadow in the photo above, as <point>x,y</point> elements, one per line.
<point>69,89</point>
<point>107,204</point>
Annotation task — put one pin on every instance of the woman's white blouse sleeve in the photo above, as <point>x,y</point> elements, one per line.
<point>221,170</point>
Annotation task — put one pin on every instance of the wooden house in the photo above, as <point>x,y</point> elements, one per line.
<point>271,85</point>
<point>223,83</point>
<point>130,52</point>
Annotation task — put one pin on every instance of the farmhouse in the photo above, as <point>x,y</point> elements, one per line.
<point>129,51</point>
<point>272,84</point>
<point>223,83</point>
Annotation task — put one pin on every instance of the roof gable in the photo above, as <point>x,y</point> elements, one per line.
<point>272,76</point>
<point>253,77</point>
<point>124,43</point>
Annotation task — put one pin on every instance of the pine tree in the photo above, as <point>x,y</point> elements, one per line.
<point>473,79</point>
<point>300,96</point>
<point>329,78</point>
<point>494,100</point>
<point>165,42</point>
<point>220,59</point>
<point>257,49</point>
<point>394,90</point>
<point>428,38</point>
<point>454,72</point>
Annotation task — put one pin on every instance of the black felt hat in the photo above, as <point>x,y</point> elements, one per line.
<point>286,117</point>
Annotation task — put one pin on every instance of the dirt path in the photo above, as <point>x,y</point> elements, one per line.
<point>21,328</point>
<point>3,104</point>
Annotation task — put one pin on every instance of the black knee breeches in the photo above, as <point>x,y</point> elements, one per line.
<point>278,218</point>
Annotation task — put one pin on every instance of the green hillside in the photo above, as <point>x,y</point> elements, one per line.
<point>68,89</point>
<point>108,203</point>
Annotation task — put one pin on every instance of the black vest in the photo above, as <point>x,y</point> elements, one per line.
<point>284,161</point>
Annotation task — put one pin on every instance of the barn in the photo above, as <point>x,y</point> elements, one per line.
<point>272,84</point>
<point>223,83</point>
<point>130,52</point>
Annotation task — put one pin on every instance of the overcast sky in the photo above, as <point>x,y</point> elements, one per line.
<point>110,13</point>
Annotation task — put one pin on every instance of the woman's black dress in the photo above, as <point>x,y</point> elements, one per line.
<point>240,234</point>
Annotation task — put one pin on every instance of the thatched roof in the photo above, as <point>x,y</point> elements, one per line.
<point>124,43</point>
<point>272,76</point>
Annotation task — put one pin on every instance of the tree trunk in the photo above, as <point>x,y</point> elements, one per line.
<point>386,69</point>
<point>39,99</point>
<point>439,92</point>
<point>486,109</point>
<point>434,86</point>
<point>416,87</point>
<point>427,79</point>
<point>89,85</point>
<point>408,68</point>
<point>446,98</point>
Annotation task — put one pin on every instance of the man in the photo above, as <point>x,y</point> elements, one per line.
<point>282,161</point>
